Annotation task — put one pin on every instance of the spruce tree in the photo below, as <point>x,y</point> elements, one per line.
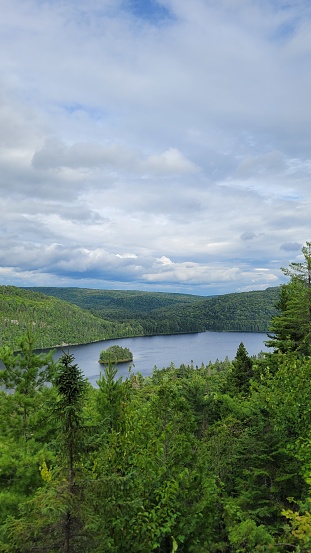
<point>110,396</point>
<point>241,372</point>
<point>71,386</point>
<point>24,374</point>
<point>290,331</point>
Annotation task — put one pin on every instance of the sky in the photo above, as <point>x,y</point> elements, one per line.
<point>156,145</point>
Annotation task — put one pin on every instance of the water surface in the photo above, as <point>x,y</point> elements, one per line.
<point>161,351</point>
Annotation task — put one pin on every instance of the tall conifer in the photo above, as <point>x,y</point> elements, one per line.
<point>290,331</point>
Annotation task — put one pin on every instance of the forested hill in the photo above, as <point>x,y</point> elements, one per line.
<point>164,313</point>
<point>242,312</point>
<point>57,322</point>
<point>79,315</point>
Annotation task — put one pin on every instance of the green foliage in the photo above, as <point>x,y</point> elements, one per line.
<point>115,354</point>
<point>55,322</point>
<point>52,517</point>
<point>241,372</point>
<point>291,328</point>
<point>43,522</point>
<point>26,372</point>
<point>149,313</point>
<point>78,316</point>
<point>247,536</point>
<point>71,388</point>
<point>23,375</point>
<point>110,397</point>
<point>212,459</point>
<point>300,525</point>
<point>163,463</point>
<point>24,427</point>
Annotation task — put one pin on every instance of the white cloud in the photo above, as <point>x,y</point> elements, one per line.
<point>56,155</point>
<point>171,161</point>
<point>170,152</point>
<point>127,256</point>
<point>165,260</point>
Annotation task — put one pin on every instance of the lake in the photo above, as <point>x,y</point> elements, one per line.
<point>161,351</point>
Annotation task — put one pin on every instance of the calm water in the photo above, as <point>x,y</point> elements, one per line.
<point>161,351</point>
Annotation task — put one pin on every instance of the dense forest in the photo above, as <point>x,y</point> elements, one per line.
<point>214,459</point>
<point>55,322</point>
<point>79,316</point>
<point>163,313</point>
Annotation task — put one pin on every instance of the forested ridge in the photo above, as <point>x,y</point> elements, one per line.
<point>56,322</point>
<point>78,315</point>
<point>210,459</point>
<point>164,313</point>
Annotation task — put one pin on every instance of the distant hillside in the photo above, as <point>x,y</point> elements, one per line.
<point>164,313</point>
<point>119,304</point>
<point>241,312</point>
<point>57,322</point>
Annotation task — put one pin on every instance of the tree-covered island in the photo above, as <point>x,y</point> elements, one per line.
<point>115,354</point>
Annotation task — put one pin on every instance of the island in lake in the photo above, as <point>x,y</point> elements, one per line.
<point>115,354</point>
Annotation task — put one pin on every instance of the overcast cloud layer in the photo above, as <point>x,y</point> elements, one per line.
<point>154,145</point>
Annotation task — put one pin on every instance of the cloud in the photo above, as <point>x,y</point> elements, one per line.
<point>56,155</point>
<point>268,164</point>
<point>291,246</point>
<point>127,256</point>
<point>95,265</point>
<point>154,145</point>
<point>165,260</point>
<point>171,161</point>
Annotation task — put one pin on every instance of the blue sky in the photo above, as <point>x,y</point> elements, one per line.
<point>151,11</point>
<point>154,145</point>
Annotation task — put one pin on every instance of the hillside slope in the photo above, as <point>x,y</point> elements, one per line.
<point>240,312</point>
<point>57,322</point>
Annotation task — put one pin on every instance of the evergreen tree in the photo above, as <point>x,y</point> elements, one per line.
<point>24,375</point>
<point>52,519</point>
<point>110,396</point>
<point>290,331</point>
<point>71,387</point>
<point>241,372</point>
